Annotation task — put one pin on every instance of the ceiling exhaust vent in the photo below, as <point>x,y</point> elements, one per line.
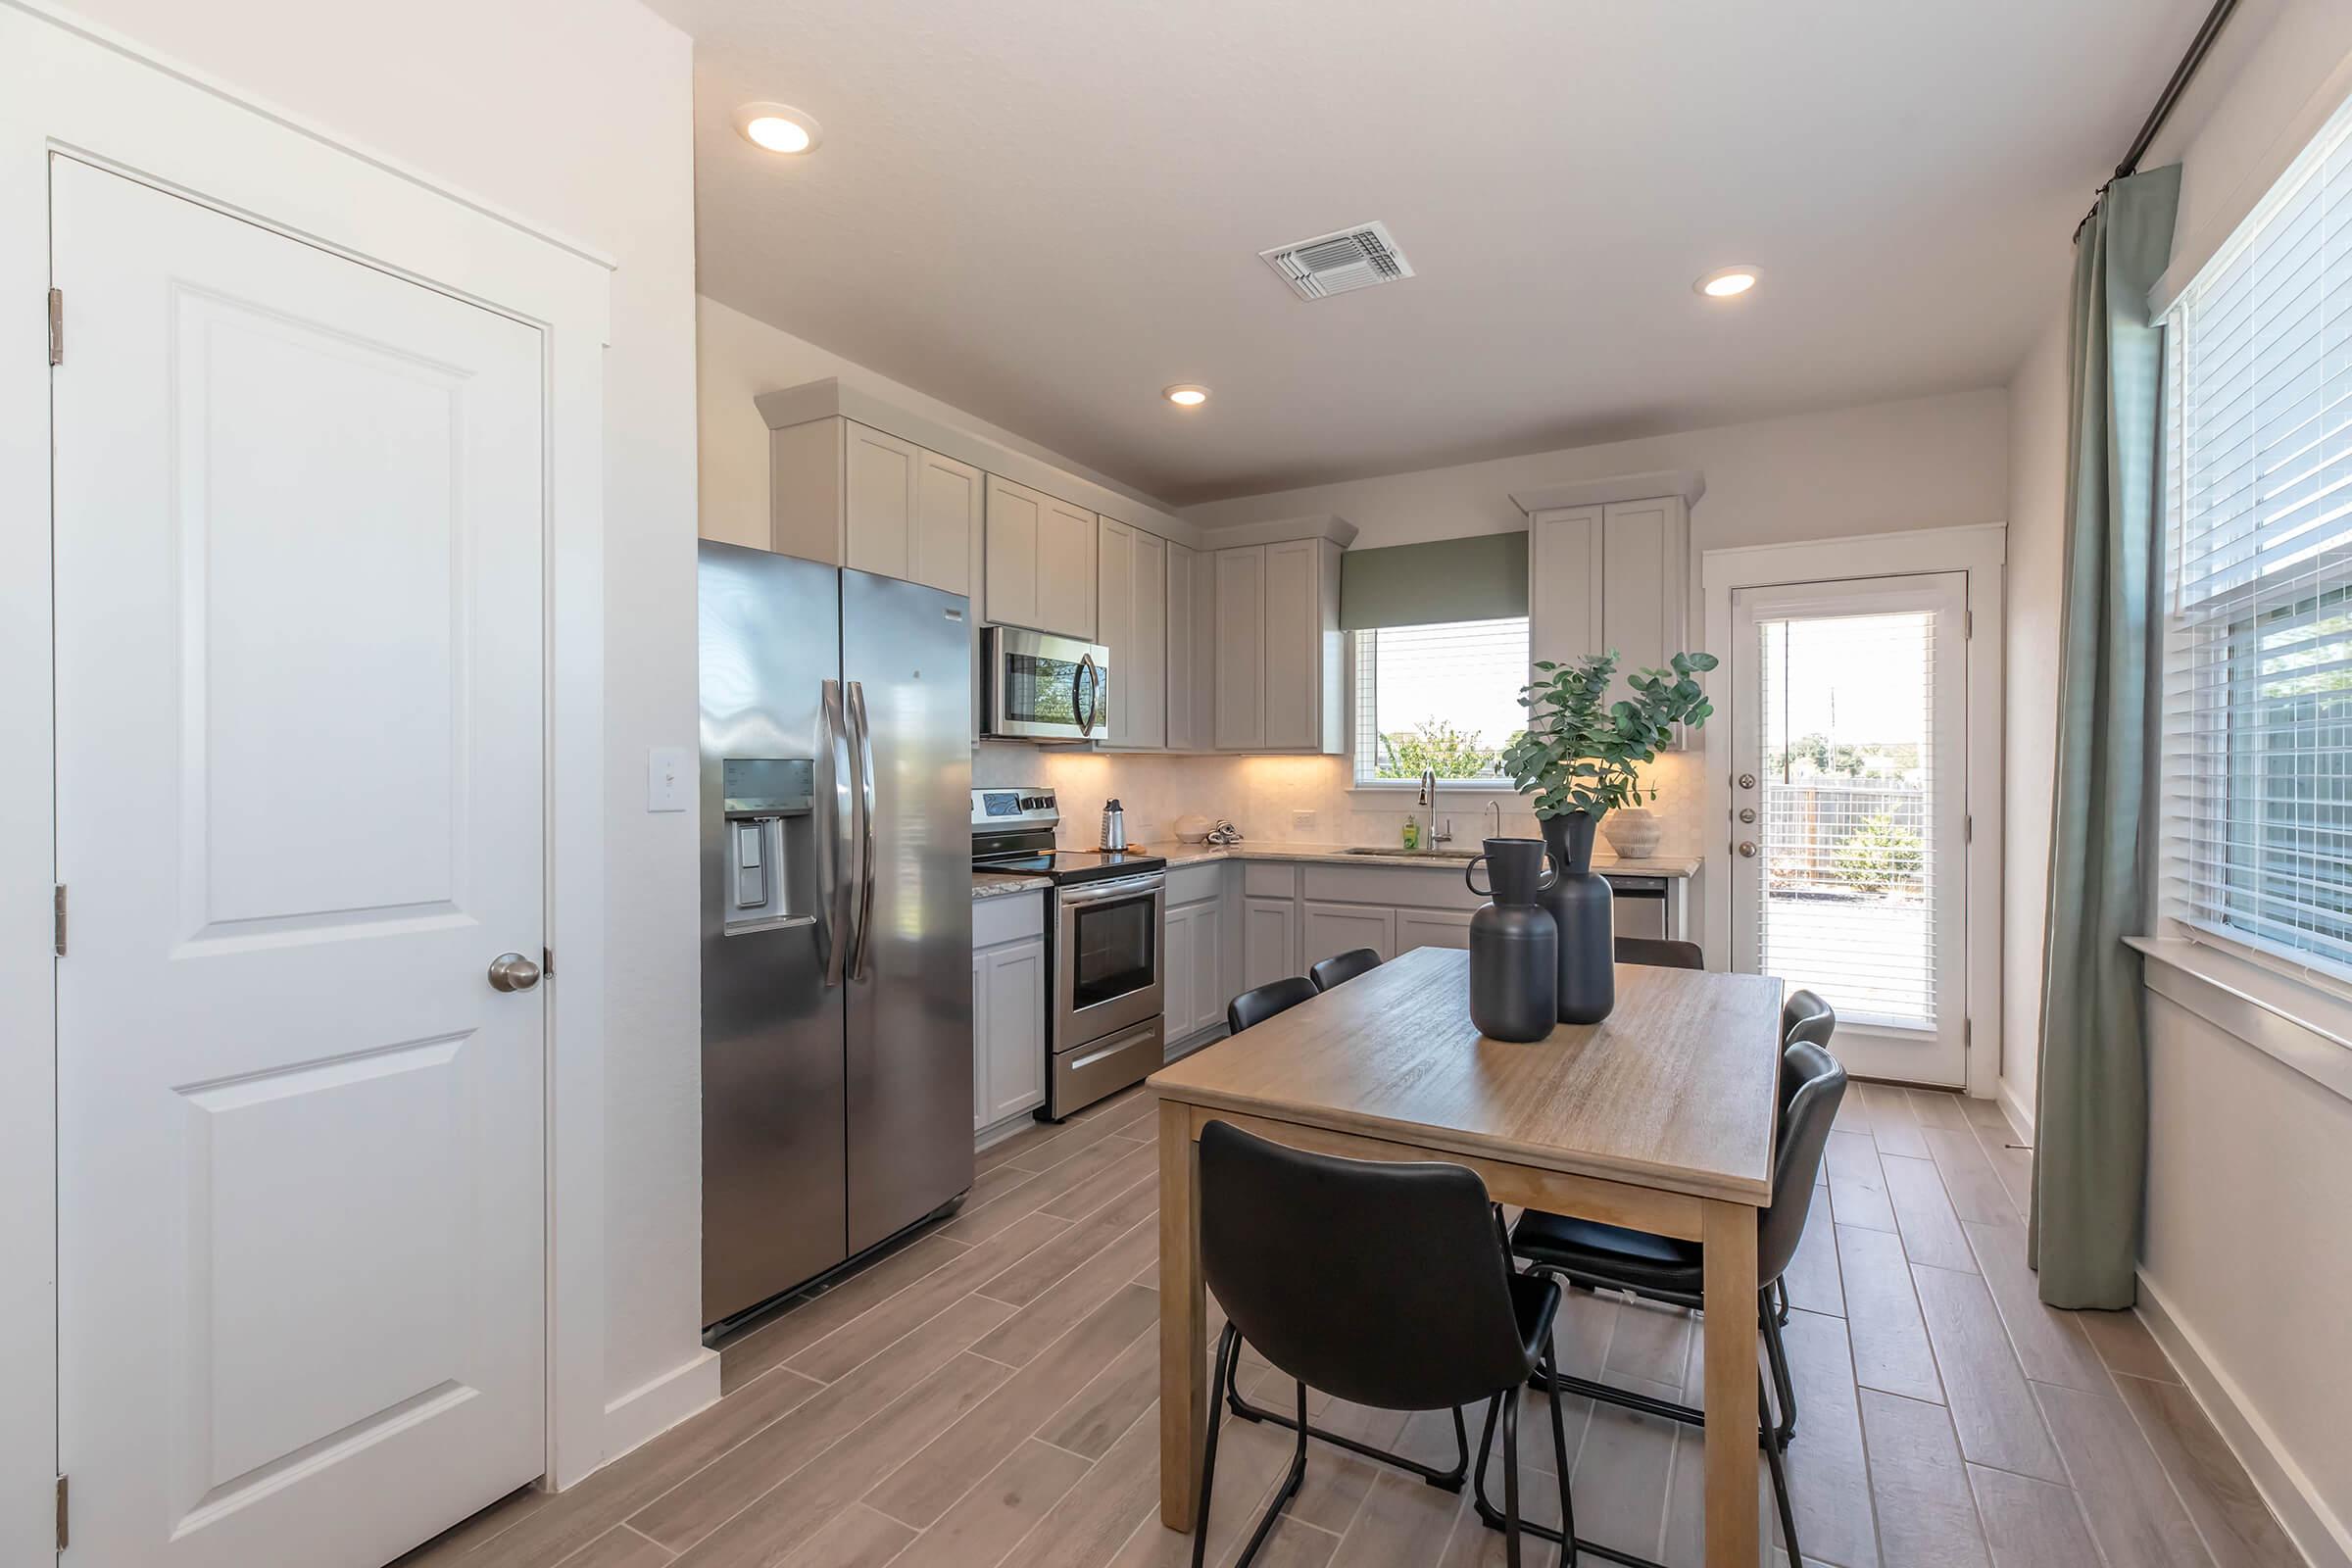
<point>1333,263</point>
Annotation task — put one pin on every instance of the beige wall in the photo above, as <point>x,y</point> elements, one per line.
<point>2245,1246</point>
<point>2037,520</point>
<point>489,100</point>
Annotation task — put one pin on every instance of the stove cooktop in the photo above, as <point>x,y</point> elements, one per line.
<point>1069,867</point>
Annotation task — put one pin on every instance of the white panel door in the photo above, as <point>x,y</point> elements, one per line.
<point>1294,645</point>
<point>1432,928</point>
<point>1179,971</point>
<point>1144,684</point>
<point>1267,926</point>
<point>1327,930</point>
<point>1240,715</point>
<point>300,1142</point>
<point>1564,581</point>
<point>1187,697</point>
<point>1015,1028</point>
<point>1015,530</point>
<point>947,521</point>
<point>1850,828</point>
<point>1065,571</point>
<point>1114,621</point>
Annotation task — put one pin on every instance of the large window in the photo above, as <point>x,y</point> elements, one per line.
<point>1443,697</point>
<point>2258,624</point>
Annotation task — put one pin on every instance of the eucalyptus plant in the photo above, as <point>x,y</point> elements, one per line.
<point>1579,750</point>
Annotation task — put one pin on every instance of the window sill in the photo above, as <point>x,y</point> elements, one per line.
<point>2289,1021</point>
<point>1387,794</point>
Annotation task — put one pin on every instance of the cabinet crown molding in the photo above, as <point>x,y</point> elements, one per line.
<point>834,397</point>
<point>1279,530</point>
<point>1689,483</point>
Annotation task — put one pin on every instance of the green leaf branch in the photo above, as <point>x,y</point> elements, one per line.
<point>1580,751</point>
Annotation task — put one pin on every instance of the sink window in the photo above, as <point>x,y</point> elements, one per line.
<point>1443,696</point>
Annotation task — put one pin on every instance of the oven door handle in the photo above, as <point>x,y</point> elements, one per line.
<point>1103,891</point>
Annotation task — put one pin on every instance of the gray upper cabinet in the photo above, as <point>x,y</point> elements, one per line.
<point>1131,617</point>
<point>1610,576</point>
<point>847,494</point>
<point>1278,659</point>
<point>1041,562</point>
<point>1186,688</point>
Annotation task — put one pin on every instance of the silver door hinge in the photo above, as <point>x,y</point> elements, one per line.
<point>57,921</point>
<point>1968,1033</point>
<point>61,1513</point>
<point>57,327</point>
<point>1967,624</point>
<point>547,962</point>
<point>1968,830</point>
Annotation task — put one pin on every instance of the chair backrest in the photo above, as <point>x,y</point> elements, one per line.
<point>1382,1283</point>
<point>1341,968</point>
<point>1805,1134</point>
<point>1660,953</point>
<point>1275,995</point>
<point>1804,1016</point>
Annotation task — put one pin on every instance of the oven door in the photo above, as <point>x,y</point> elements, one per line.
<point>1106,957</point>
<point>1038,686</point>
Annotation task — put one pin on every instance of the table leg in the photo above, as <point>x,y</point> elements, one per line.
<point>1730,1237</point>
<point>1183,1318</point>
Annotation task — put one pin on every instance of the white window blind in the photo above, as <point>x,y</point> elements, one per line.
<point>1443,696</point>
<point>1849,788</point>
<point>2257,675</point>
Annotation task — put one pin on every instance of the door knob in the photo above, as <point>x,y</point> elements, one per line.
<point>1747,850</point>
<point>512,971</point>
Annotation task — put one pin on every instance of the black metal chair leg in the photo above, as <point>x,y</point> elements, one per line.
<point>1226,1343</point>
<point>1445,1479</point>
<point>1779,1490</point>
<point>1510,1479</point>
<point>1781,1290</point>
<point>1776,1357</point>
<point>1560,1459</point>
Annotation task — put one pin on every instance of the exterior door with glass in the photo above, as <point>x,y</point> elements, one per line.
<point>1849,821</point>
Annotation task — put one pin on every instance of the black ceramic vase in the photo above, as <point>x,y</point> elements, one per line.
<point>1514,947</point>
<point>1579,905</point>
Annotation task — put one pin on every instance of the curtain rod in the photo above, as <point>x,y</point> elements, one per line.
<point>2166,101</point>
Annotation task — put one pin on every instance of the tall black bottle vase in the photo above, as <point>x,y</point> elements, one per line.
<point>1579,904</point>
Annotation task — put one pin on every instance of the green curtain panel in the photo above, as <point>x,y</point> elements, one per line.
<point>2089,1166</point>
<point>1482,577</point>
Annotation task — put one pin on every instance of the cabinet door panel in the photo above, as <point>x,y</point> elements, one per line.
<point>1187,699</point>
<point>1207,1001</point>
<point>882,483</point>
<point>1016,1029</point>
<point>1564,584</point>
<point>1241,648</point>
<point>1635,536</point>
<point>981,1056</point>
<point>1180,958</point>
<point>1015,528</point>
<point>1432,928</point>
<point>1267,945</point>
<point>1293,646</point>
<point>1065,571</point>
<point>1146,685</point>
<point>1329,929</point>
<point>946,517</point>
<point>1114,623</point>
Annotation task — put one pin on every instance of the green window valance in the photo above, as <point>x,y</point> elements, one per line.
<point>1482,577</point>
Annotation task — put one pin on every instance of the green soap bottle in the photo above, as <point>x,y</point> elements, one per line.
<point>1412,832</point>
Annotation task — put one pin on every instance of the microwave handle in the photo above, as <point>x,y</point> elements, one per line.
<point>1088,677</point>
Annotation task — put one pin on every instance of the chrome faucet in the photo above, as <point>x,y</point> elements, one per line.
<point>1440,832</point>
<point>1496,806</point>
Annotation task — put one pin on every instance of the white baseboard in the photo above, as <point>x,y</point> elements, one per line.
<point>644,1413</point>
<point>2012,1107</point>
<point>2304,1514</point>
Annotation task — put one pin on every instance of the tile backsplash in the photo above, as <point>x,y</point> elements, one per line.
<point>1264,795</point>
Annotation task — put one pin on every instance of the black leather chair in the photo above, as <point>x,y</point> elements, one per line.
<point>1275,995</point>
<point>1804,1016</point>
<point>1386,1284</point>
<point>1660,953</point>
<point>1342,967</point>
<point>1666,1269</point>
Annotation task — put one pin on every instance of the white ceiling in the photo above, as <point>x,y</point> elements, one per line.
<point>1045,210</point>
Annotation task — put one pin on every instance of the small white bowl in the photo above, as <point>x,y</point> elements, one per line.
<point>1192,829</point>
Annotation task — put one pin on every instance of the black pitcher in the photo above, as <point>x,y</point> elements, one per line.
<point>1579,905</point>
<point>1514,947</point>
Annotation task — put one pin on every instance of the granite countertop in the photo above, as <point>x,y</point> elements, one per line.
<point>1668,865</point>
<point>1005,884</point>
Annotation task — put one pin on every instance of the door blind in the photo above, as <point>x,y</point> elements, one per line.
<point>2257,649</point>
<point>1848,793</point>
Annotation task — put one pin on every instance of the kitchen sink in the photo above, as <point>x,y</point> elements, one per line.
<point>1412,855</point>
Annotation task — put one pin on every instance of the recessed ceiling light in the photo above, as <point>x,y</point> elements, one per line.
<point>1725,281</point>
<point>1185,395</point>
<point>778,127</point>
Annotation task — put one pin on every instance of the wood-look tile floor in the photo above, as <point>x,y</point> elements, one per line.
<point>985,1395</point>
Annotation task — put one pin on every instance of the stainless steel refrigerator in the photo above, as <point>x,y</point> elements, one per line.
<point>837,916</point>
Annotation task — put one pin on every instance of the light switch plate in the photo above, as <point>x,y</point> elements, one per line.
<point>669,775</point>
<point>1302,821</point>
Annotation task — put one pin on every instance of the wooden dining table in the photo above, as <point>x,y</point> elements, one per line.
<point>1661,1117</point>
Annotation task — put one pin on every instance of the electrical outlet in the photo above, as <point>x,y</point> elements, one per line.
<point>1302,821</point>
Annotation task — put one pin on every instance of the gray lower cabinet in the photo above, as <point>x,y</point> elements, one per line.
<point>1269,950</point>
<point>1194,1001</point>
<point>1329,929</point>
<point>1432,928</point>
<point>1009,1010</point>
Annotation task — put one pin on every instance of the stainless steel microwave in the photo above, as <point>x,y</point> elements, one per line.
<point>1038,686</point>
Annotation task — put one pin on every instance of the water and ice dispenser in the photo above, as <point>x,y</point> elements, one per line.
<point>771,872</point>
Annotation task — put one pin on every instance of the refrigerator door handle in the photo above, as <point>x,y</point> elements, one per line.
<point>833,862</point>
<point>862,726</point>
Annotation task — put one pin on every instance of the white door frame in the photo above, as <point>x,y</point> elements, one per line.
<point>73,86</point>
<point>1980,552</point>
